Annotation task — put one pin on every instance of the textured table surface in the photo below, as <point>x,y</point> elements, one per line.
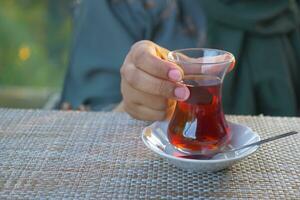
<point>84,155</point>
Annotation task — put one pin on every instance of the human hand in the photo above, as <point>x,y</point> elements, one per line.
<point>150,84</point>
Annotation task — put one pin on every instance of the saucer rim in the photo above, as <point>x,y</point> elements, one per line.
<point>248,152</point>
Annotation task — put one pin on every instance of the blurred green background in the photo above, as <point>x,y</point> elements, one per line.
<point>34,47</point>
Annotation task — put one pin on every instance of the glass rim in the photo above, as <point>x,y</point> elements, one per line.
<point>232,58</point>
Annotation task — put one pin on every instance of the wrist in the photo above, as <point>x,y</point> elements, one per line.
<point>119,107</point>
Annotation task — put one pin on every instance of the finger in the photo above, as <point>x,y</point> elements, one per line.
<point>151,101</point>
<point>144,82</point>
<point>150,58</point>
<point>162,52</point>
<point>143,113</point>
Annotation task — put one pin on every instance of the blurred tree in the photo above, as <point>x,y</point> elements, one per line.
<point>34,42</point>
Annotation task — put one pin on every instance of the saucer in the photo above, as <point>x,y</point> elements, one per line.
<point>156,139</point>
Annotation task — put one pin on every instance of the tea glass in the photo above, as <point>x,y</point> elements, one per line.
<point>198,125</point>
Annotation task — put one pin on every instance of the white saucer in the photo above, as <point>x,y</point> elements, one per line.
<point>155,138</point>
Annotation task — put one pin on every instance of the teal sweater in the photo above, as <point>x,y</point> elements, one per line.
<point>264,35</point>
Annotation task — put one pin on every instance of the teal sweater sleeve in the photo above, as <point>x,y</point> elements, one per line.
<point>99,46</point>
<point>103,34</point>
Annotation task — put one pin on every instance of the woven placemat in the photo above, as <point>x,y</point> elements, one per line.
<point>84,155</point>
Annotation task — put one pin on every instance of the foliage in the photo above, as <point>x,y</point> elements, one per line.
<point>34,42</point>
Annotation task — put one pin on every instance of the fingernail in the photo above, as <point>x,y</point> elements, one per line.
<point>175,75</point>
<point>182,93</point>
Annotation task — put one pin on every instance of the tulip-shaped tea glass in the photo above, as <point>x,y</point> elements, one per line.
<point>198,125</point>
